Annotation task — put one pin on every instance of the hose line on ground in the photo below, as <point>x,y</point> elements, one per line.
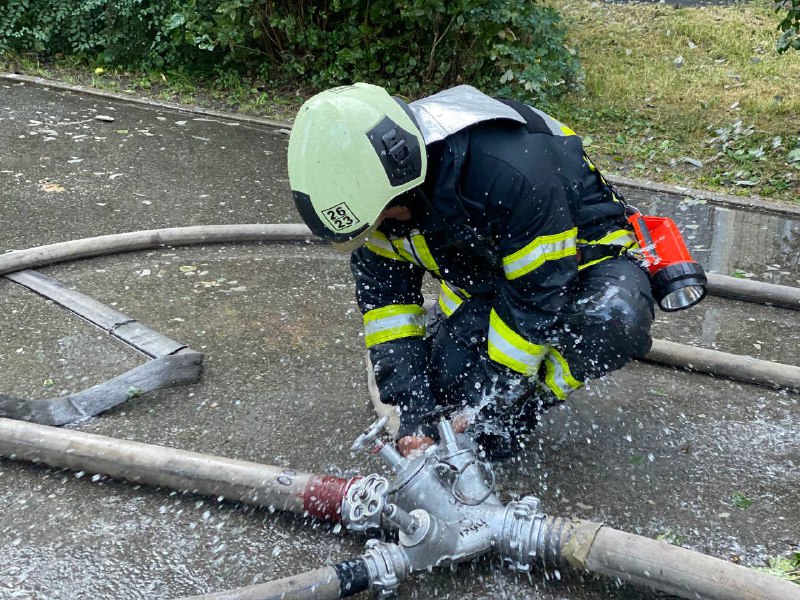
<point>721,285</point>
<point>669,353</point>
<point>666,568</point>
<point>328,583</point>
<point>318,496</point>
<point>582,544</point>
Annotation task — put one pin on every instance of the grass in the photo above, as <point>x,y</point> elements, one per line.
<point>695,96</point>
<point>726,117</point>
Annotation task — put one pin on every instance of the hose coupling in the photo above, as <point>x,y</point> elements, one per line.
<point>387,565</point>
<point>522,527</point>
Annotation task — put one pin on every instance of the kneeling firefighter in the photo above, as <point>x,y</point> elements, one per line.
<point>532,248</point>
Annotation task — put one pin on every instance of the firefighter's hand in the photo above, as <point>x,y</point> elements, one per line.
<point>412,446</point>
<point>460,422</point>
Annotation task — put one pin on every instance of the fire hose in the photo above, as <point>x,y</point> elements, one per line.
<point>442,506</point>
<point>698,359</point>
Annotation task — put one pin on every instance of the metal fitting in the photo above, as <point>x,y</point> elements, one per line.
<point>364,503</point>
<point>529,537</point>
<point>397,517</point>
<point>387,565</point>
<point>445,506</point>
<point>371,437</point>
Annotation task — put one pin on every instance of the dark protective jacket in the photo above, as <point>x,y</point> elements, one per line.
<point>507,210</point>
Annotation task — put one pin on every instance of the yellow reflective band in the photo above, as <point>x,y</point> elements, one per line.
<point>557,375</point>
<point>541,249</point>
<point>416,251</point>
<point>380,245</point>
<point>393,322</point>
<point>509,348</point>
<point>424,253</point>
<point>594,262</point>
<point>403,248</point>
<point>620,237</point>
<point>567,131</point>
<point>449,300</point>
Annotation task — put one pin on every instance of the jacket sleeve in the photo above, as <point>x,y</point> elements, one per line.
<point>388,291</point>
<point>536,239</point>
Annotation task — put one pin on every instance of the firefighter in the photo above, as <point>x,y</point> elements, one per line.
<point>498,202</point>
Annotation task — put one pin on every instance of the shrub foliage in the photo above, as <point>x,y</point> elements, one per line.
<point>511,47</point>
<point>789,25</point>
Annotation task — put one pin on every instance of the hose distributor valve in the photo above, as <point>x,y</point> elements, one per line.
<point>365,502</point>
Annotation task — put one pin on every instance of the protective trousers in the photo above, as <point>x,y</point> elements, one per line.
<point>604,323</point>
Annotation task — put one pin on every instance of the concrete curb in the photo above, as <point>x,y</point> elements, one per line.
<point>752,203</point>
<point>715,198</point>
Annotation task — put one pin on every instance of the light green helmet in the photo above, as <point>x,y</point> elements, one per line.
<point>351,151</point>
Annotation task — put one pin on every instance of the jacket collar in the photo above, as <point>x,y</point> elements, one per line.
<point>450,111</point>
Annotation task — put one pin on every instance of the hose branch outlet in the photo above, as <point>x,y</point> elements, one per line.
<point>529,537</point>
<point>401,520</point>
<point>387,565</point>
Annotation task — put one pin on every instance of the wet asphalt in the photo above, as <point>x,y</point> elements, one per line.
<point>650,450</point>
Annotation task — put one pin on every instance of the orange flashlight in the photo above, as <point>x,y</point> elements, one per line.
<point>677,280</point>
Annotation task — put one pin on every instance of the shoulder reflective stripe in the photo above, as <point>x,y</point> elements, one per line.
<point>557,375</point>
<point>416,251</point>
<point>393,322</point>
<point>555,126</point>
<point>512,350</point>
<point>449,301</point>
<point>541,249</point>
<point>380,245</point>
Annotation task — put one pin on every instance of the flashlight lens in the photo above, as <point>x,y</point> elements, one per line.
<point>683,298</point>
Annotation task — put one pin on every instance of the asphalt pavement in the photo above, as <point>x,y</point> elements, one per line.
<point>650,450</point>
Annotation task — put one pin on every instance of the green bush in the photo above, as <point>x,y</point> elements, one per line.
<point>789,25</point>
<point>510,47</point>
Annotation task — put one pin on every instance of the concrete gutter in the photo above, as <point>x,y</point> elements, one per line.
<point>714,198</point>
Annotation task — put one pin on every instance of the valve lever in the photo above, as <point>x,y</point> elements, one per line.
<point>370,435</point>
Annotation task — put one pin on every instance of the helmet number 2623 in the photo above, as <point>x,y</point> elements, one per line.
<point>340,216</point>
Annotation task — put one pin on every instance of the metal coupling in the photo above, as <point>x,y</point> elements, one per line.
<point>387,565</point>
<point>521,530</point>
<point>364,503</point>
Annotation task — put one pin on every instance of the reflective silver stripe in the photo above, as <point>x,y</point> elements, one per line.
<point>556,127</point>
<point>557,375</point>
<point>405,249</point>
<point>509,348</point>
<point>414,248</point>
<point>422,252</point>
<point>449,300</point>
<point>541,249</point>
<point>380,245</point>
<point>393,322</point>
